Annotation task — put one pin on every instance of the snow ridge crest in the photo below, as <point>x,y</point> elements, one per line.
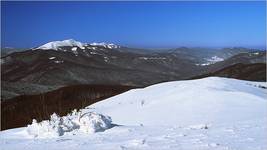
<point>73,43</point>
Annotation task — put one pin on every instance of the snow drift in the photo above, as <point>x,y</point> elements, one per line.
<point>89,122</point>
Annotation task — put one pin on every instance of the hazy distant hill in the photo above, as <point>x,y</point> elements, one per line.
<point>8,50</point>
<point>252,72</point>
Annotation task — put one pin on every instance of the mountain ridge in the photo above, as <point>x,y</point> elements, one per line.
<point>100,63</point>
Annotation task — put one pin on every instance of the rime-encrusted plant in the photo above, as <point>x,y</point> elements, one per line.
<point>89,122</point>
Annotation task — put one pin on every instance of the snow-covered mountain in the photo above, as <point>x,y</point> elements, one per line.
<point>57,45</point>
<point>70,62</point>
<point>209,113</point>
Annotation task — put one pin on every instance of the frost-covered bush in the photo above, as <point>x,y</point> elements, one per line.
<point>46,128</point>
<point>89,122</point>
<point>93,122</point>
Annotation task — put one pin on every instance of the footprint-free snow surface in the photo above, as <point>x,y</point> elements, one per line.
<point>205,114</point>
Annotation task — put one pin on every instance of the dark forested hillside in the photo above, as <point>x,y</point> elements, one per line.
<point>19,111</point>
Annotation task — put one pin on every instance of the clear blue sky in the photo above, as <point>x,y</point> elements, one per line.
<point>135,24</point>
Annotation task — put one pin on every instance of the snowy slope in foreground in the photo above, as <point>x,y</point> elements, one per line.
<point>210,113</point>
<point>209,100</point>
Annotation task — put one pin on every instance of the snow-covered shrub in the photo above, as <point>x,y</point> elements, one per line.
<point>92,122</point>
<point>89,122</point>
<point>46,128</point>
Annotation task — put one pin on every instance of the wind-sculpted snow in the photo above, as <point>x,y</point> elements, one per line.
<point>89,122</point>
<point>206,114</point>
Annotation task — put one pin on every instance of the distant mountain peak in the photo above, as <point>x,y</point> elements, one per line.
<point>71,42</point>
<point>56,44</point>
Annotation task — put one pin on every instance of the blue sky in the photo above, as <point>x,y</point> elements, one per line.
<point>135,24</point>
